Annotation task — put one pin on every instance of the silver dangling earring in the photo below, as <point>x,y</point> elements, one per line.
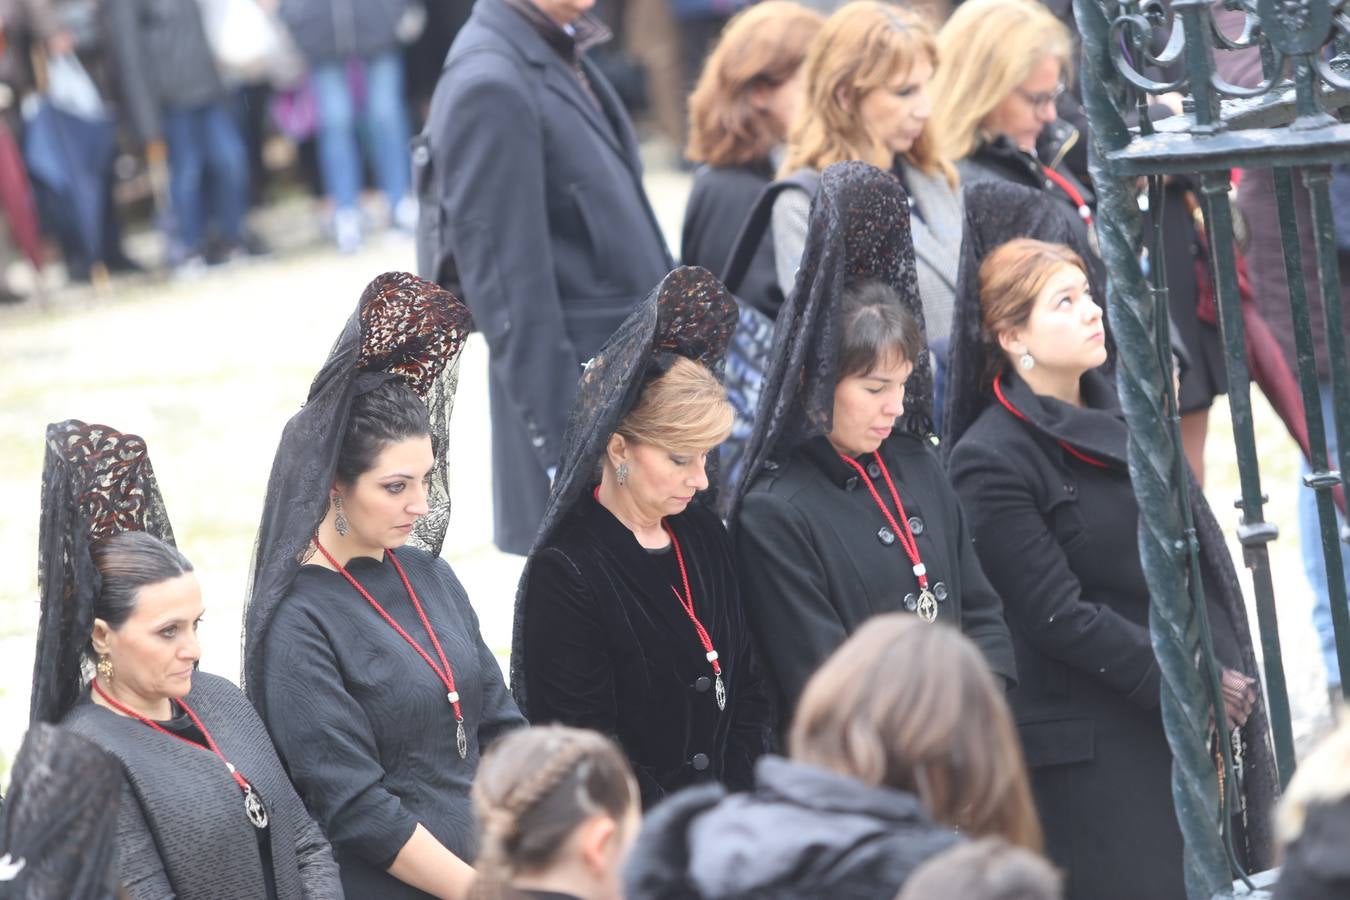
<point>339,518</point>
<point>1026,362</point>
<point>621,473</point>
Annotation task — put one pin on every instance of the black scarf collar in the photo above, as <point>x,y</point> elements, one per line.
<point>1097,428</point>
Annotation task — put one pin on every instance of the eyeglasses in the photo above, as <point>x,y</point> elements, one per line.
<point>1046,98</point>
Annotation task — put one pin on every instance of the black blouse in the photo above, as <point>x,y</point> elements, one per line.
<point>362,722</point>
<point>818,558</point>
<point>609,647</point>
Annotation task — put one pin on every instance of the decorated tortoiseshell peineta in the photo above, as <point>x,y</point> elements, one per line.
<point>410,328</point>
<point>113,483</point>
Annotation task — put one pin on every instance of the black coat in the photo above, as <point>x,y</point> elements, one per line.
<point>362,722</point>
<point>801,832</point>
<point>541,206</point>
<point>1058,538</point>
<point>333,30</point>
<point>611,648</point>
<point>181,827</point>
<point>817,558</point>
<point>1001,160</point>
<point>719,203</point>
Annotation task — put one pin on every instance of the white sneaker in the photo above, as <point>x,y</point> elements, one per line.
<point>405,214</point>
<point>347,230</point>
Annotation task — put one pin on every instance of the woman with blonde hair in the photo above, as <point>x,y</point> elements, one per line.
<point>1006,63</point>
<point>867,99</point>
<point>902,743</point>
<point>629,617</point>
<point>749,93</point>
<point>557,809</point>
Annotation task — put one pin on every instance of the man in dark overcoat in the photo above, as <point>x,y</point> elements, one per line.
<point>533,210</point>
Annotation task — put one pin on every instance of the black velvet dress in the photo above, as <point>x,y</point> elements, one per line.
<point>361,721</point>
<point>611,648</point>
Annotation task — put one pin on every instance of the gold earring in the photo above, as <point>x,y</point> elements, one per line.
<point>105,667</point>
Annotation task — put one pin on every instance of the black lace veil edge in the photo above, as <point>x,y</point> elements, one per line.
<point>305,463</point>
<point>96,481</point>
<point>859,231</point>
<point>60,817</point>
<point>688,314</point>
<point>997,212</point>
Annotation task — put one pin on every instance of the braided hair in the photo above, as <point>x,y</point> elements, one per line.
<point>532,790</point>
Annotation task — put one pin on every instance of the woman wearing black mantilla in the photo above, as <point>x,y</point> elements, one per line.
<point>844,510</point>
<point>207,812</point>
<point>1038,454</point>
<point>628,618</point>
<point>361,649</point>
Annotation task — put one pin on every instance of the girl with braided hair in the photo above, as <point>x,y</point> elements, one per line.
<point>558,808</point>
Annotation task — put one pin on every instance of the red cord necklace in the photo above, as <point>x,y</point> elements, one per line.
<point>443,671</point>
<point>687,604</point>
<point>1068,448</point>
<point>927,607</point>
<point>1075,197</point>
<point>253,805</point>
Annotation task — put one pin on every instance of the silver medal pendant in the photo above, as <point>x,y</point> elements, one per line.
<point>720,692</point>
<point>254,809</point>
<point>928,606</point>
<point>461,739</point>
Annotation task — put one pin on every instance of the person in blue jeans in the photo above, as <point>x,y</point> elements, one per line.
<point>354,48</point>
<point>1315,563</point>
<point>180,107</point>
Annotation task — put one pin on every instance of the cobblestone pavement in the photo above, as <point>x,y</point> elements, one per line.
<point>208,371</point>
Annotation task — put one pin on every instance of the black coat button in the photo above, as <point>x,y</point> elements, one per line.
<point>940,592</point>
<point>873,470</point>
<point>851,483</point>
<point>915,525</point>
<point>700,762</point>
<point>702,684</point>
<point>1071,488</point>
<point>911,601</point>
<point>886,536</point>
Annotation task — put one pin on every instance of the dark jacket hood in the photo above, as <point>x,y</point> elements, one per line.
<point>801,832</point>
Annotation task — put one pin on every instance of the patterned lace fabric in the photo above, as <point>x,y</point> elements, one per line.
<point>998,212</point>
<point>96,482</point>
<point>405,328</point>
<point>688,314</point>
<point>859,232</point>
<point>58,825</point>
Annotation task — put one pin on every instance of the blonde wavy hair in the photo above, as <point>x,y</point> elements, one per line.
<point>990,48</point>
<point>683,410</point>
<point>865,46</point>
<point>763,45</point>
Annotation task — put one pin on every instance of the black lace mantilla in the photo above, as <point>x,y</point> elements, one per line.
<point>688,314</point>
<point>859,231</point>
<point>96,482</point>
<point>403,327</point>
<point>58,826</point>
<point>998,212</point>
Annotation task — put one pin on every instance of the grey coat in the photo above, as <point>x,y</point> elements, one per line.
<point>163,59</point>
<point>536,193</point>
<point>333,30</point>
<point>182,831</point>
<point>936,226</point>
<point>800,832</point>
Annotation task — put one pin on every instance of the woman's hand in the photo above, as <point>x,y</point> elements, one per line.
<point>1239,697</point>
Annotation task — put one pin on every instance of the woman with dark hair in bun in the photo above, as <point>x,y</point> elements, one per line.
<point>206,810</point>
<point>361,649</point>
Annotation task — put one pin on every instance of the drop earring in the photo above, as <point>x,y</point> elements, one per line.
<point>339,518</point>
<point>621,473</point>
<point>1026,362</point>
<point>105,667</point>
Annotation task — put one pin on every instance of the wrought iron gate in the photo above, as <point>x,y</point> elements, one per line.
<point>1288,124</point>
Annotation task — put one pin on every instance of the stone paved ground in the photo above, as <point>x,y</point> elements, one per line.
<point>208,371</point>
